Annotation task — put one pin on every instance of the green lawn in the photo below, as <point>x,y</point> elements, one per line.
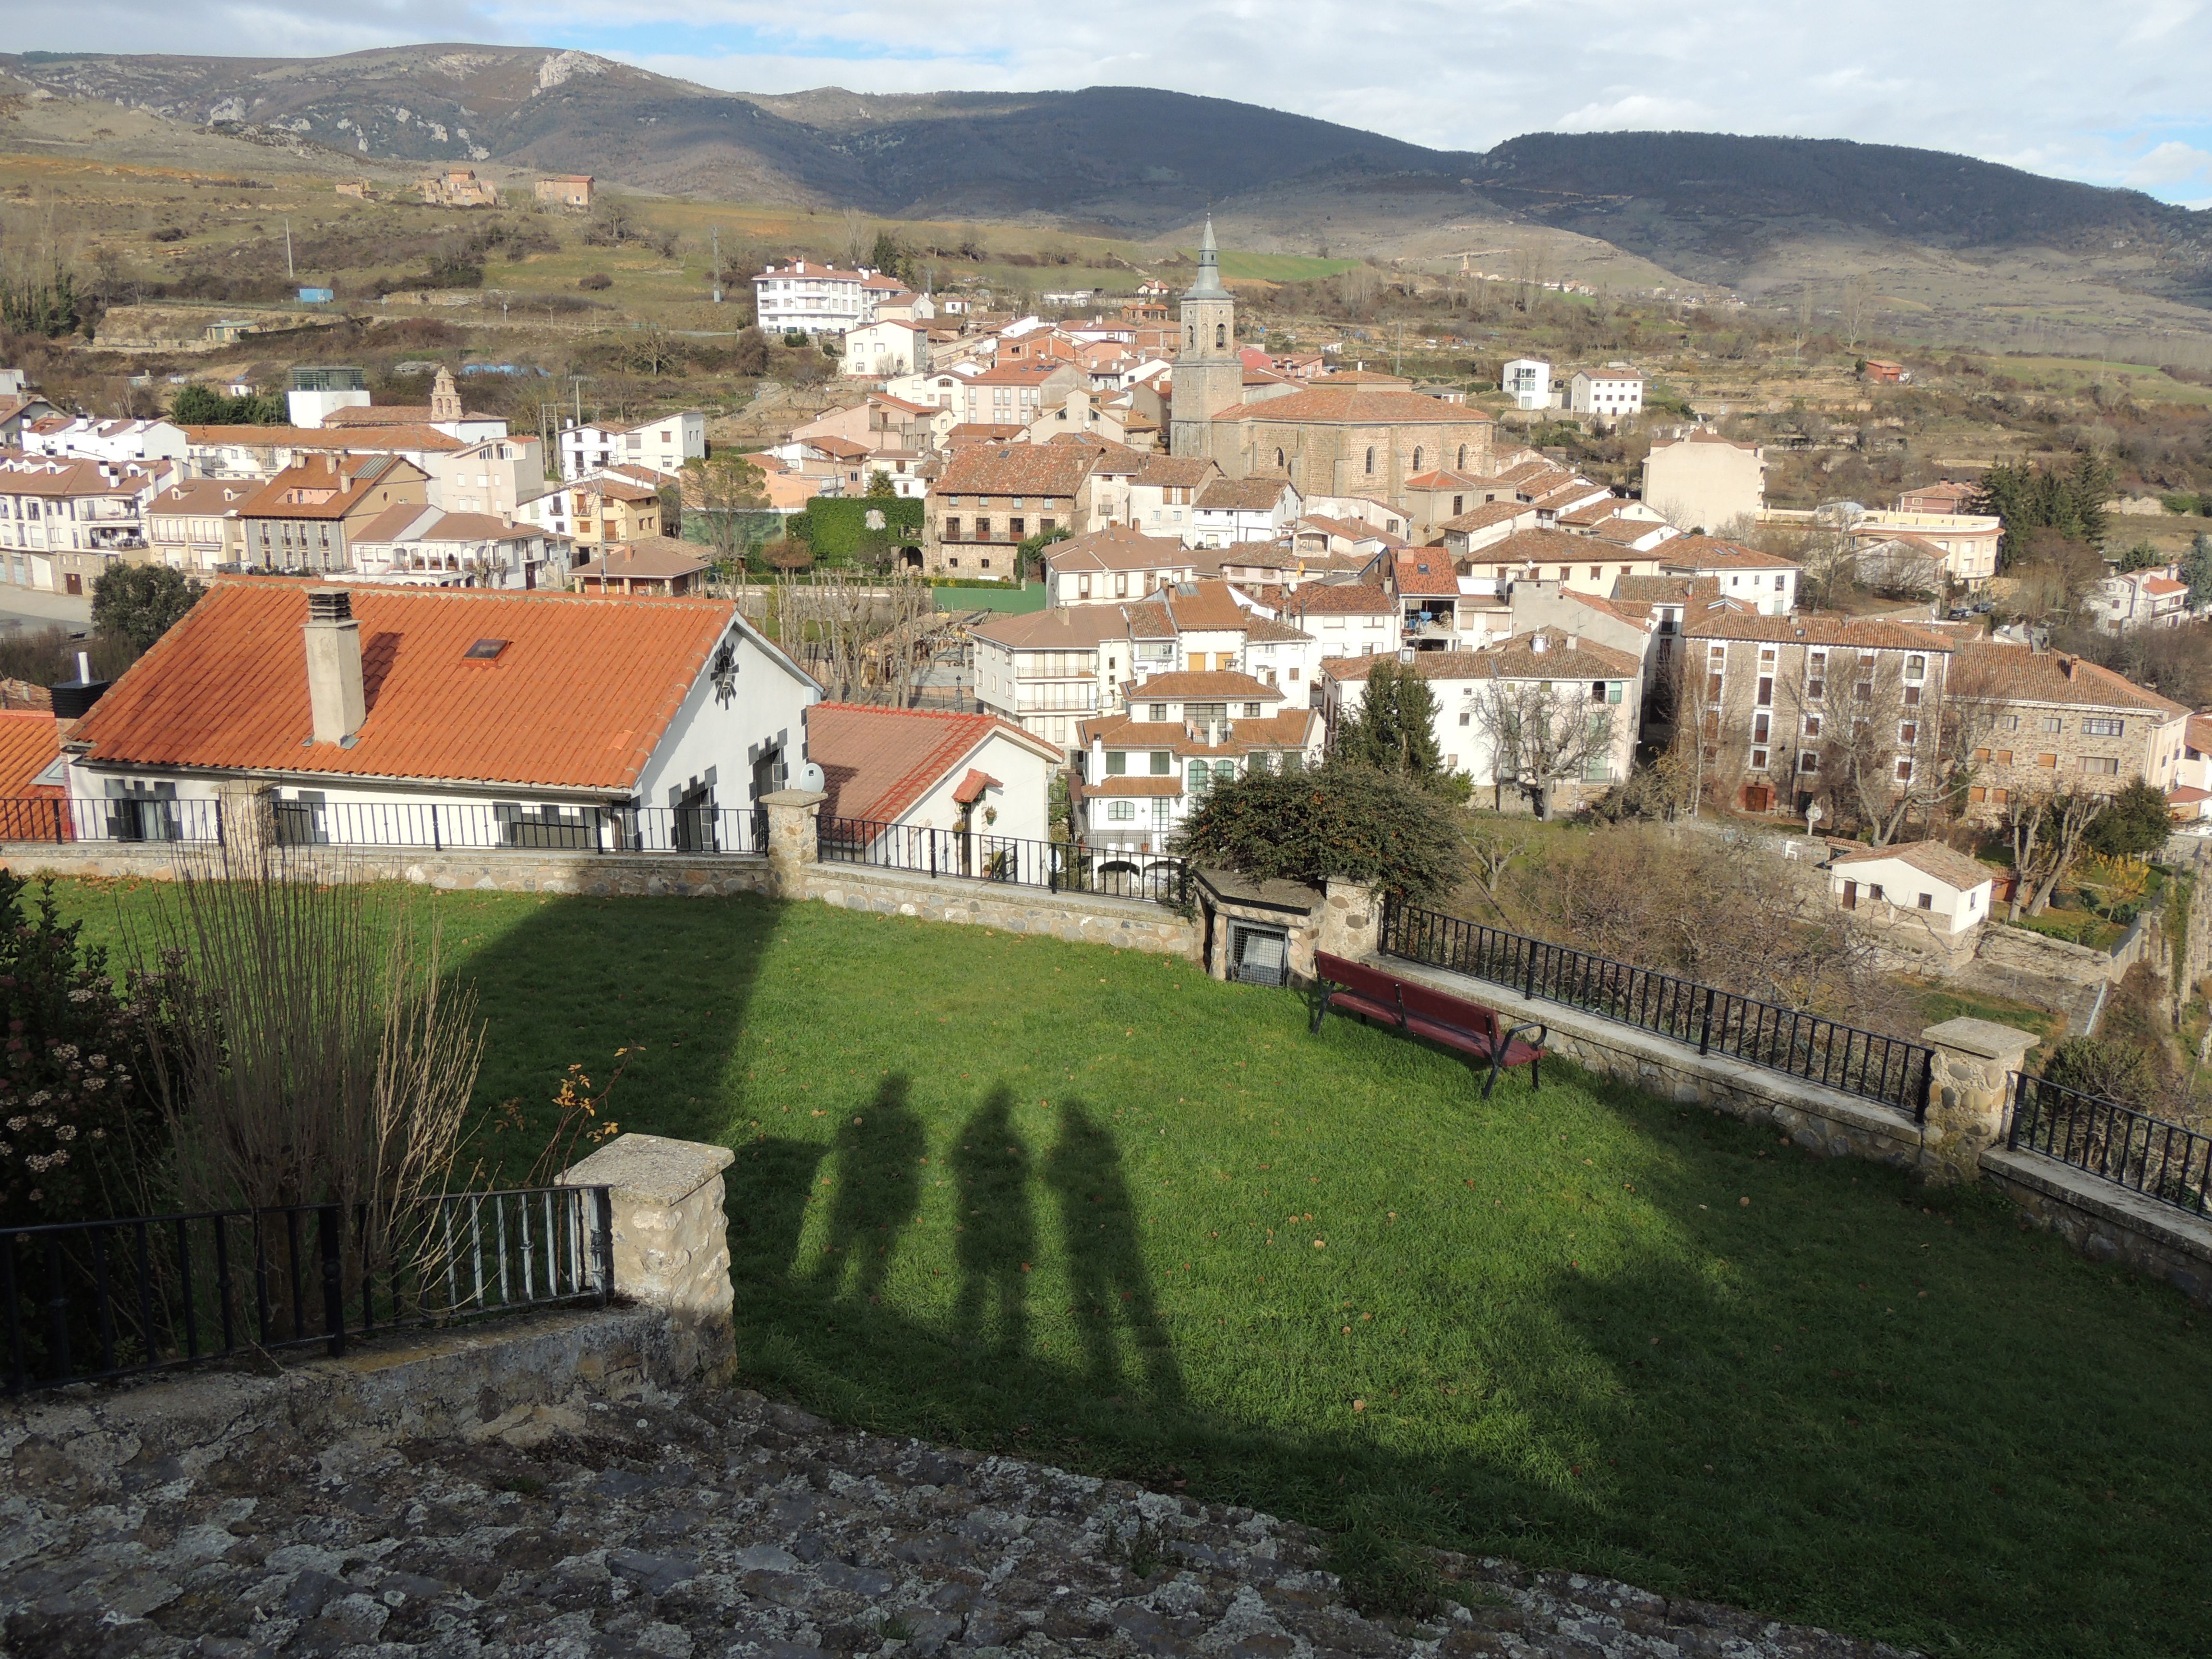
<point>1087,1206</point>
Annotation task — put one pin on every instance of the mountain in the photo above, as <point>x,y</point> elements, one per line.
<point>1761,212</point>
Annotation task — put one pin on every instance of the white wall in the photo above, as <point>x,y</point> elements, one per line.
<point>1949,910</point>
<point>770,698</point>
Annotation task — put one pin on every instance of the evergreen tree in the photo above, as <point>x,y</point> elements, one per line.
<point>140,602</point>
<point>1394,730</point>
<point>2196,571</point>
<point>2029,498</point>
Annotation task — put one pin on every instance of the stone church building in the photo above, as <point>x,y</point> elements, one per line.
<point>1324,441</point>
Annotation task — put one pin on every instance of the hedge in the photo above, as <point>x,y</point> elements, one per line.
<point>833,528</point>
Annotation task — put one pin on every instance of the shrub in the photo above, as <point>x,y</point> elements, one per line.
<point>2133,822</point>
<point>596,281</point>
<point>2110,1071</point>
<point>77,1126</point>
<point>1343,820</point>
<point>838,529</point>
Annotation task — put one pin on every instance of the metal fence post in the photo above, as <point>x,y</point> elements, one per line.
<point>604,1206</point>
<point>1706,1024</point>
<point>329,1226</point>
<point>437,834</point>
<point>1529,990</point>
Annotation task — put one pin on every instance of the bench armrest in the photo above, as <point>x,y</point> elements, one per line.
<point>1541,1031</point>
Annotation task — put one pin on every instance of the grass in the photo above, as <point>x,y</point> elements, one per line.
<point>1085,1207</point>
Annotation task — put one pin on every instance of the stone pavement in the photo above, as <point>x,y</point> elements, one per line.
<point>721,1523</point>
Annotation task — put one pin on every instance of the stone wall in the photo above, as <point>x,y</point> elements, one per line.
<point>1081,918</point>
<point>2107,1223</point>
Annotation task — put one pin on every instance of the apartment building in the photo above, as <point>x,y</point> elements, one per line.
<point>63,522</point>
<point>2042,721</point>
<point>1966,543</point>
<point>885,348</point>
<point>807,297</point>
<point>308,516</point>
<point>660,446</point>
<point>1791,709</point>
<point>194,526</point>
<point>1113,564</point>
<point>1017,394</point>
<point>1547,674</point>
<point>622,505</point>
<point>1705,481</point>
<point>1608,394</point>
<point>2128,600</point>
<point>991,497</point>
<point>1144,771</point>
<point>1528,382</point>
<point>1765,582</point>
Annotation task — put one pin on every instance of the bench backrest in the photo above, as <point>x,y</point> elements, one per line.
<point>1448,1010</point>
<point>1355,976</point>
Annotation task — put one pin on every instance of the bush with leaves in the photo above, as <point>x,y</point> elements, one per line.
<point>142,602</point>
<point>2134,823</point>
<point>2109,1071</point>
<point>1343,820</point>
<point>203,405</point>
<point>75,1122</point>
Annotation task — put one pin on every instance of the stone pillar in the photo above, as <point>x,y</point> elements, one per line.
<point>249,819</point>
<point>1972,1085</point>
<point>1351,920</point>
<point>672,1247</point>
<point>793,817</point>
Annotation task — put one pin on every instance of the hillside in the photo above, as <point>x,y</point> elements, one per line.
<point>1980,251</point>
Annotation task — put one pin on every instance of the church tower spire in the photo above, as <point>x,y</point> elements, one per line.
<point>1209,375</point>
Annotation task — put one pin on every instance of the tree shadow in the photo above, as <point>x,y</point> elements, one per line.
<point>880,1151</point>
<point>996,1241</point>
<point>1110,1289</point>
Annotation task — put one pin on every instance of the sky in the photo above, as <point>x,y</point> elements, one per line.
<point>2109,94</point>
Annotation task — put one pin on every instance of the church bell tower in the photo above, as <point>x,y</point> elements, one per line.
<point>1209,375</point>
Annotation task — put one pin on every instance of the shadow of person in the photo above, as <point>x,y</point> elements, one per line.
<point>879,1152</point>
<point>997,1239</point>
<point>1112,1291</point>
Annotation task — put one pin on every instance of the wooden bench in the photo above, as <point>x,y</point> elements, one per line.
<point>1421,1010</point>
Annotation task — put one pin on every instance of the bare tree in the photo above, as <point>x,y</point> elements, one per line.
<point>1857,303</point>
<point>1540,732</point>
<point>857,238</point>
<point>2046,829</point>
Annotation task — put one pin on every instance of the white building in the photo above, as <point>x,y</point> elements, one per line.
<point>882,349</point>
<point>663,446</point>
<point>88,439</point>
<point>978,775</point>
<point>495,477</point>
<point>1231,511</point>
<point>2127,600</point>
<point>1528,382</point>
<point>1928,880</point>
<point>1609,394</point>
<point>1705,481</point>
<point>808,298</point>
<point>1763,582</point>
<point>499,720</point>
<point>422,546</point>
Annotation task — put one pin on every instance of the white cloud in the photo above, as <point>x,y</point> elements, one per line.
<point>2057,85</point>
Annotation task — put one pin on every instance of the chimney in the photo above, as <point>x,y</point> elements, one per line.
<point>1539,643</point>
<point>1097,760</point>
<point>1574,642</point>
<point>334,682</point>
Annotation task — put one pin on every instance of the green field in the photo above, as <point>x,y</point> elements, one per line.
<point>1274,267</point>
<point>1085,1205</point>
<point>2146,383</point>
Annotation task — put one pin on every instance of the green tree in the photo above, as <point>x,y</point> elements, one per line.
<point>2196,570</point>
<point>880,487</point>
<point>748,353</point>
<point>1030,553</point>
<point>1343,820</point>
<point>2110,1071</point>
<point>48,306</point>
<point>203,405</point>
<point>892,260</point>
<point>2028,498</point>
<point>140,602</point>
<point>2133,822</point>
<point>1394,729</point>
<point>2142,556</point>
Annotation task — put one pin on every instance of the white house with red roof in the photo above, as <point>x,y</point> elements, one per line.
<point>443,719</point>
<point>2128,600</point>
<point>929,768</point>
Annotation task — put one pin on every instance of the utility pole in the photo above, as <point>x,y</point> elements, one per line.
<point>290,274</point>
<point>714,235</point>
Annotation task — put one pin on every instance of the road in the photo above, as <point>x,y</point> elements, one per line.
<point>27,607</point>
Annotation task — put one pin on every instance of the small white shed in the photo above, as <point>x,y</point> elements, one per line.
<point>1949,891</point>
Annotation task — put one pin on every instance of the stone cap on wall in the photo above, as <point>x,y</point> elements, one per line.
<point>1231,887</point>
<point>1982,1037</point>
<point>651,1166</point>
<point>794,797</point>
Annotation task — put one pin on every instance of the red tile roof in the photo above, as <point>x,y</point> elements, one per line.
<point>2018,673</point>
<point>29,740</point>
<point>1015,470</point>
<point>1419,574</point>
<point>1325,406</point>
<point>1804,628</point>
<point>578,698</point>
<point>877,762</point>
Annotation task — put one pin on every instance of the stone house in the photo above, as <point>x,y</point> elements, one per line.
<point>1790,709</point>
<point>2042,721</point>
<point>992,497</point>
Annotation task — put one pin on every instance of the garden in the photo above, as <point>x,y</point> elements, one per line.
<point>1089,1207</point>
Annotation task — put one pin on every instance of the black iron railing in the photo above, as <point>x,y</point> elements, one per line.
<point>430,826</point>
<point>2115,1143</point>
<point>1887,1069</point>
<point>1060,866</point>
<point>88,1300</point>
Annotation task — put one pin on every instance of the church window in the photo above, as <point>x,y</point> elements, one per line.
<point>1220,337</point>
<point>1190,338</point>
<point>1279,458</point>
<point>1371,463</point>
<point>1417,457</point>
<point>1462,455</point>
